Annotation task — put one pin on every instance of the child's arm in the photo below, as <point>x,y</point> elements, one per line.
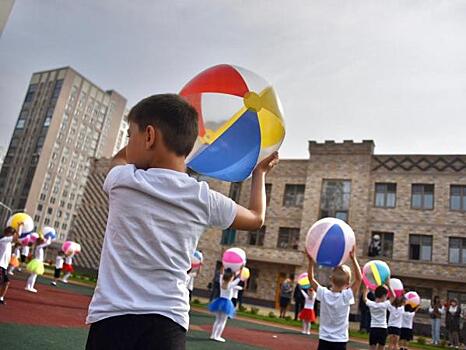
<point>310,274</point>
<point>119,158</point>
<point>253,218</point>
<point>365,292</point>
<point>305,295</point>
<point>356,272</point>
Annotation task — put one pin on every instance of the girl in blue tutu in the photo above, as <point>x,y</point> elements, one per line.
<point>223,307</point>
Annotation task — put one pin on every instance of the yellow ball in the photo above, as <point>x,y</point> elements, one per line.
<point>19,219</point>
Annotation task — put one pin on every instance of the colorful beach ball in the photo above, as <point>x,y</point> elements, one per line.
<point>245,273</point>
<point>375,273</point>
<point>23,220</point>
<point>303,281</point>
<point>196,260</point>
<point>49,232</point>
<point>25,240</point>
<point>240,122</point>
<point>397,287</point>
<point>413,299</point>
<point>234,259</point>
<point>70,247</point>
<point>329,242</point>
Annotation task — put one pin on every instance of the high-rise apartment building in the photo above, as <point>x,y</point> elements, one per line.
<point>122,138</point>
<point>65,120</point>
<point>5,9</point>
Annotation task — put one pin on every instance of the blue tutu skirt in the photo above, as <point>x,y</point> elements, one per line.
<point>223,305</point>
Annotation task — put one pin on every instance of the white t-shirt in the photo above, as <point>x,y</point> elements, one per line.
<point>378,313</point>
<point>25,250</point>
<point>407,319</point>
<point>396,316</point>
<point>155,220</point>
<point>334,314</point>
<point>39,252</point>
<point>229,291</point>
<point>69,259</point>
<point>59,262</point>
<point>5,251</point>
<point>309,300</point>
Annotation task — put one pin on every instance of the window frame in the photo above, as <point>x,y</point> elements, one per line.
<point>413,235</point>
<point>422,207</point>
<point>385,194</point>
<point>462,196</point>
<point>295,193</point>
<point>382,235</point>
<point>291,231</point>
<point>259,237</point>
<point>462,260</point>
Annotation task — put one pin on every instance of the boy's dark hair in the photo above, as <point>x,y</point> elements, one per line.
<point>409,308</point>
<point>398,301</point>
<point>227,275</point>
<point>9,231</point>
<point>173,116</point>
<point>380,291</point>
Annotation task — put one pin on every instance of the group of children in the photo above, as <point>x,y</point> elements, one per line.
<point>13,259</point>
<point>398,329</point>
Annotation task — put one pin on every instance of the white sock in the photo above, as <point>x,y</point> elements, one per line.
<point>1,298</point>
<point>223,321</point>
<point>31,280</point>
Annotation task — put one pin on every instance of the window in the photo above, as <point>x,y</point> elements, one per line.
<point>460,296</point>
<point>56,224</point>
<point>67,216</point>
<point>420,247</point>
<point>46,221</point>
<point>36,218</point>
<point>457,250</point>
<point>49,211</point>
<point>228,236</point>
<point>386,243</point>
<point>39,144</point>
<point>268,193</point>
<point>288,238</point>
<point>59,213</point>
<point>39,207</point>
<point>235,191</point>
<point>294,196</point>
<point>64,226</point>
<point>422,196</point>
<point>257,237</point>
<point>47,121</point>
<point>42,196</point>
<point>20,124</point>
<point>385,195</point>
<point>57,88</point>
<point>335,199</point>
<point>252,282</point>
<point>52,200</point>
<point>62,204</point>
<point>458,197</point>
<point>69,206</point>
<point>30,94</point>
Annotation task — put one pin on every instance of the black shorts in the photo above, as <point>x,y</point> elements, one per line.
<point>136,332</point>
<point>284,302</point>
<point>57,273</point>
<point>4,276</point>
<point>406,334</point>
<point>394,331</point>
<point>377,336</point>
<point>23,258</point>
<point>329,345</point>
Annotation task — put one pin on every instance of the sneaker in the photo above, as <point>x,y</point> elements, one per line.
<point>11,273</point>
<point>64,281</point>
<point>31,290</point>
<point>53,283</point>
<point>220,339</point>
<point>303,332</point>
<point>308,332</point>
<point>2,302</point>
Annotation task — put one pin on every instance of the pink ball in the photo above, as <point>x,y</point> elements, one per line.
<point>397,287</point>
<point>234,259</point>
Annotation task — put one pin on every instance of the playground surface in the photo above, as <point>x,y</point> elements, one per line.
<point>54,319</point>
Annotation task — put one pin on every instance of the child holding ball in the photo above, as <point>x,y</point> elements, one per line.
<point>307,314</point>
<point>335,303</point>
<point>407,326</point>
<point>223,306</point>
<point>396,309</point>
<point>157,214</point>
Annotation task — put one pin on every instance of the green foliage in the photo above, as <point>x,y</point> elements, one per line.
<point>242,308</point>
<point>272,315</point>
<point>288,318</point>
<point>421,340</point>
<point>196,301</point>
<point>254,310</point>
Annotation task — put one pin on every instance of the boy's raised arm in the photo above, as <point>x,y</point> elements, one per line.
<point>310,274</point>
<point>356,272</point>
<point>253,218</point>
<point>119,158</point>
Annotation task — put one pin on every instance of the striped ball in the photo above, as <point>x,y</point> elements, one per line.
<point>397,287</point>
<point>196,260</point>
<point>234,259</point>
<point>329,242</point>
<point>413,299</point>
<point>375,273</point>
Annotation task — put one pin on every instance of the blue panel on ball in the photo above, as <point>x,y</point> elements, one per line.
<point>233,156</point>
<point>332,247</point>
<point>383,272</point>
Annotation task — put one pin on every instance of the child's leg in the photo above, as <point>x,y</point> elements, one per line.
<point>304,326</point>
<point>215,326</point>
<point>308,330</point>
<point>221,326</point>
<point>65,278</point>
<point>380,347</point>
<point>31,281</point>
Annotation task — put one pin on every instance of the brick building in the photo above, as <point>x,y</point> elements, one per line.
<point>415,203</point>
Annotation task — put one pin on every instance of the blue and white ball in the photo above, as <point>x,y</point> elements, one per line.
<point>329,242</point>
<point>49,232</point>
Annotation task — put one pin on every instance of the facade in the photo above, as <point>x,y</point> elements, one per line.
<point>5,9</point>
<point>122,138</point>
<point>64,121</point>
<point>416,204</point>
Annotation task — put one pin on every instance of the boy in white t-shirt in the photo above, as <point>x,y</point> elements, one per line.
<point>157,214</point>
<point>9,236</point>
<point>335,303</point>
<point>378,310</point>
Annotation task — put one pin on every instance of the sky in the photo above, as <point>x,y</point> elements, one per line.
<point>392,71</point>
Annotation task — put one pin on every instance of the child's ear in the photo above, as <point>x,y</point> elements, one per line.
<point>151,134</point>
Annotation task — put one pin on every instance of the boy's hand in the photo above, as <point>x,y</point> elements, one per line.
<point>268,163</point>
<point>352,253</point>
